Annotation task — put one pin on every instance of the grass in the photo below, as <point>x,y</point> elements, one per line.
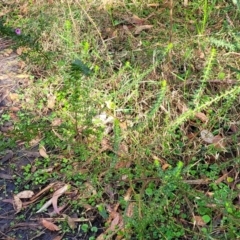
<point>124,112</point>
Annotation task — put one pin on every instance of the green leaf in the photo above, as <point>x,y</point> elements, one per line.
<point>206,218</point>
<point>85,227</point>
<point>102,211</point>
<point>149,192</point>
<point>94,229</point>
<point>78,66</point>
<point>229,179</point>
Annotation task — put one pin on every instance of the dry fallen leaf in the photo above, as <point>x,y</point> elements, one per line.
<point>19,50</point>
<point>198,220</point>
<point>21,76</point>
<point>201,116</point>
<point>87,207</point>
<point>105,144</point>
<point>135,20</point>
<point>123,125</point>
<point>101,237</point>
<point>191,135</point>
<point>185,3</point>
<point>182,107</point>
<point>49,225</point>
<point>234,128</point>
<point>124,177</point>
<point>25,194</point>
<point>123,149</point>
<point>13,97</point>
<point>17,203</point>
<point>53,213</point>
<point>51,101</point>
<point>165,166</point>
<point>128,195</point>
<point>207,136</point>
<point>42,152</point>
<point>209,194</point>
<point>45,206</point>
<point>139,29</point>
<point>14,117</point>
<point>130,209</point>
<point>125,163</point>
<point>35,141</point>
<point>7,52</point>
<point>115,221</point>
<point>218,142</point>
<point>56,195</point>
<point>70,221</point>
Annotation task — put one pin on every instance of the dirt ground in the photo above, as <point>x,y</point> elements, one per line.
<point>12,78</point>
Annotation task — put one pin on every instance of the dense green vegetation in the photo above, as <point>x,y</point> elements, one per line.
<point>138,101</point>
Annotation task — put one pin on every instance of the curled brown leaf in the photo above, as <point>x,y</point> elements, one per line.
<point>139,29</point>
<point>49,225</point>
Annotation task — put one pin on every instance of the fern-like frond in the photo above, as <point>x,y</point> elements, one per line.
<point>220,43</point>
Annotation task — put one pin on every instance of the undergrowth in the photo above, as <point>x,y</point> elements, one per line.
<point>122,96</point>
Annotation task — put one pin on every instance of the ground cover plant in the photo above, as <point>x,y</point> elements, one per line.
<point>127,126</point>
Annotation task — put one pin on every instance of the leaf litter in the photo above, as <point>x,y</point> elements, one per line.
<point>49,225</point>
